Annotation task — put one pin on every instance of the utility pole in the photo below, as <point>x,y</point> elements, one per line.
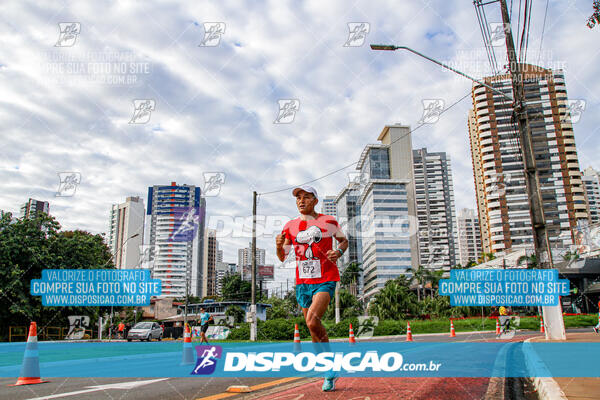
<point>252,316</point>
<point>185,310</point>
<point>555,328</point>
<point>337,302</point>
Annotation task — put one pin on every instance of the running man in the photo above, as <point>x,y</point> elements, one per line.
<point>205,318</point>
<point>311,235</point>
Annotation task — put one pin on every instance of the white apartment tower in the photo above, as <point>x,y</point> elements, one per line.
<point>126,232</point>
<point>469,236</point>
<point>435,209</point>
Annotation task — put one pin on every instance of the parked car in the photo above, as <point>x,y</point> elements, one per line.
<point>145,331</point>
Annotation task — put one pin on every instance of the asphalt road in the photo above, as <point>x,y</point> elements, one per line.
<point>194,388</point>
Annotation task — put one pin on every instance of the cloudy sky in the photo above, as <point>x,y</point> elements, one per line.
<point>67,99</point>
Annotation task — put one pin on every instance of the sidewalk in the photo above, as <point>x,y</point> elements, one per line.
<point>569,388</point>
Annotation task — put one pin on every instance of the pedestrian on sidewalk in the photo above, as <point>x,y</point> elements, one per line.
<point>205,319</point>
<point>311,235</point>
<point>121,329</point>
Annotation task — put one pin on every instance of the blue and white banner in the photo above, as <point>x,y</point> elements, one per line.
<point>504,287</point>
<point>95,287</point>
<point>366,359</point>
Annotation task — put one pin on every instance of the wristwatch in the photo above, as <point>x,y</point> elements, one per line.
<point>340,251</point>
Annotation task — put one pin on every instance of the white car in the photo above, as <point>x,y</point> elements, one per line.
<point>145,331</point>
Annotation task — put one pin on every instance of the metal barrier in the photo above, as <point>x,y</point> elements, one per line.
<point>17,332</point>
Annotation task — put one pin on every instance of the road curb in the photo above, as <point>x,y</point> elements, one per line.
<point>547,388</point>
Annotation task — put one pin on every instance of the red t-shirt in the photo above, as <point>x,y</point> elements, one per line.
<point>312,240</point>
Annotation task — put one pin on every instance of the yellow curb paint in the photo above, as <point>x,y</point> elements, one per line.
<point>260,386</point>
<point>239,389</point>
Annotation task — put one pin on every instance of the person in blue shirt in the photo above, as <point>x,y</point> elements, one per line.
<point>205,318</point>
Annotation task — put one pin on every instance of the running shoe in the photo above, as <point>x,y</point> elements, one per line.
<point>328,385</point>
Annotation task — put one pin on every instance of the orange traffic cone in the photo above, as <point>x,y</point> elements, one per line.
<point>408,332</point>
<point>542,330</point>
<point>497,326</point>
<point>188,349</point>
<point>351,339</point>
<point>297,345</point>
<point>452,333</point>
<point>30,369</point>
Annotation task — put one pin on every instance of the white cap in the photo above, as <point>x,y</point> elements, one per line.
<point>307,189</point>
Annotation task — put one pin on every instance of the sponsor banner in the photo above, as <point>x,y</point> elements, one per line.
<point>367,359</point>
<point>95,287</point>
<point>507,287</point>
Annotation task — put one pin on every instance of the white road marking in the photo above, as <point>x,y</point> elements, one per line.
<point>119,385</point>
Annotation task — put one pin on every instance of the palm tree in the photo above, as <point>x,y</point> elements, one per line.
<point>418,276</point>
<point>434,277</point>
<point>394,300</point>
<point>350,275</point>
<point>486,257</point>
<point>571,256</point>
<point>531,261</point>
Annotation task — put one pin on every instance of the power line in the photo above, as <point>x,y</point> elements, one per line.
<point>543,30</point>
<point>356,162</point>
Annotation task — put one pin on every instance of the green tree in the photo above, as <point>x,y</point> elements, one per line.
<point>236,312</point>
<point>594,19</point>
<point>235,288</point>
<point>434,277</point>
<point>530,261</point>
<point>29,246</point>
<point>351,274</point>
<point>571,256</point>
<point>486,257</point>
<point>419,276</point>
<point>394,301</point>
<point>350,307</point>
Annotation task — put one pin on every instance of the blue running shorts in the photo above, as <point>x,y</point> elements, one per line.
<point>306,291</point>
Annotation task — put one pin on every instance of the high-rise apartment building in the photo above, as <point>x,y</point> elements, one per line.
<point>33,208</point>
<point>126,232</point>
<point>591,182</point>
<point>502,201</point>
<point>328,207</point>
<point>435,209</point>
<point>174,232</point>
<point>469,236</point>
<point>245,258</point>
<point>209,264</point>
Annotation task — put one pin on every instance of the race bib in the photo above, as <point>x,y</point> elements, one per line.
<point>308,269</point>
